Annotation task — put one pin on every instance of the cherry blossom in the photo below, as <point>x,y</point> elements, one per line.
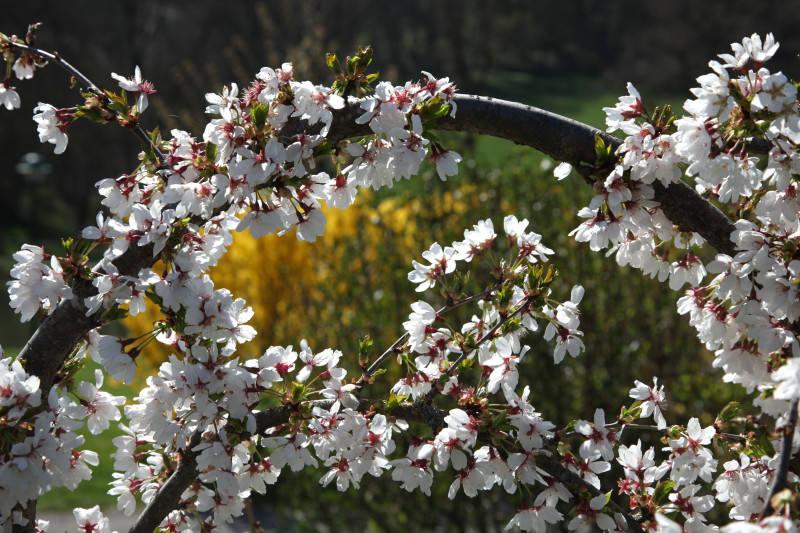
<point>652,398</point>
<point>208,399</point>
<point>8,96</point>
<point>139,87</point>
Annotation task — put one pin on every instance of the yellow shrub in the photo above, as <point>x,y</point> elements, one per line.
<point>351,282</point>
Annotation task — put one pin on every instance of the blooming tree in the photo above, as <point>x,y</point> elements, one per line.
<point>215,423</point>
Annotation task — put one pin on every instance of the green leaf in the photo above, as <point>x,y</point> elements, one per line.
<point>364,56</point>
<point>115,313</point>
<point>211,151</point>
<point>460,281</point>
<point>601,151</point>
<point>153,297</point>
<point>467,363</point>
<point>67,244</point>
<point>155,136</point>
<point>631,413</point>
<point>728,412</point>
<point>259,113</point>
<point>352,62</point>
<point>761,446</point>
<point>662,489</point>
<point>499,420</point>
<point>298,392</point>
<point>394,401</point>
<point>333,64</point>
<point>364,345</point>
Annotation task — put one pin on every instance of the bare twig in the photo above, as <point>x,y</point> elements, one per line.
<point>524,304</point>
<point>646,427</point>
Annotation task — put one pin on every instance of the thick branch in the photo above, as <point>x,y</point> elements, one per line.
<point>168,496</point>
<point>570,141</point>
<point>563,139</point>
<point>62,330</point>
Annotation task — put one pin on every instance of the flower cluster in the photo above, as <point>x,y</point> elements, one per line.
<point>42,433</point>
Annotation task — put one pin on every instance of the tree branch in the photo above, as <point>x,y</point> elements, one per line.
<point>573,142</point>
<point>399,342</point>
<point>563,139</point>
<point>86,82</point>
<point>168,496</point>
<point>781,475</point>
<point>62,330</point>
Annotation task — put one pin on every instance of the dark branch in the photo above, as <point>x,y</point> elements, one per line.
<point>565,140</point>
<point>570,141</point>
<point>782,473</point>
<point>59,333</point>
<point>87,83</point>
<point>168,496</point>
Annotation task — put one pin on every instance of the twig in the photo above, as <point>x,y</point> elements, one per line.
<point>646,427</point>
<point>446,308</point>
<point>488,336</point>
<point>782,473</point>
<point>374,366</point>
<point>86,82</point>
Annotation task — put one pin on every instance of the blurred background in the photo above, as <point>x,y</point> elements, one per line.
<point>571,57</point>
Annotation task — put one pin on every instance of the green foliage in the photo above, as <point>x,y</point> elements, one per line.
<point>355,80</point>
